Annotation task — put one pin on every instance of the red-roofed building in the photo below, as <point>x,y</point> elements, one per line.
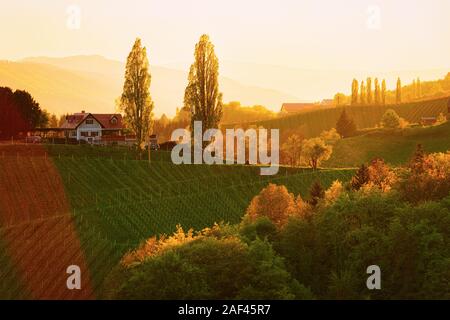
<point>94,128</point>
<point>288,108</point>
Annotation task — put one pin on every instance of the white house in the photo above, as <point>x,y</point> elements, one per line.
<point>94,128</point>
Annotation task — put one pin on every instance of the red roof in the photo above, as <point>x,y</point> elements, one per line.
<point>107,121</point>
<point>296,107</point>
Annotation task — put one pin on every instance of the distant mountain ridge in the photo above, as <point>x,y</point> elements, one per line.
<point>70,84</point>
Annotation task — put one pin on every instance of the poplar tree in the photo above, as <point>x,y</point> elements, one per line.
<point>398,92</point>
<point>136,102</point>
<point>369,90</point>
<point>383,92</point>
<point>419,88</point>
<point>202,94</point>
<point>354,91</point>
<point>377,92</point>
<point>362,93</point>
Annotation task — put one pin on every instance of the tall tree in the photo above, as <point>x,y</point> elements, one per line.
<point>345,125</point>
<point>362,93</point>
<point>414,88</point>
<point>369,90</point>
<point>419,88</point>
<point>383,92</point>
<point>136,102</point>
<point>398,91</point>
<point>202,94</point>
<point>354,91</point>
<point>377,92</point>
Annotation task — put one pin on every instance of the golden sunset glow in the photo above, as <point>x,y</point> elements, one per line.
<point>305,50</point>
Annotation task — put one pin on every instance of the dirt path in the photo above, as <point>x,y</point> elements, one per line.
<point>38,229</point>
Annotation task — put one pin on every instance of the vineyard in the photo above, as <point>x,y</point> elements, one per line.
<point>77,208</point>
<point>395,147</point>
<point>312,123</point>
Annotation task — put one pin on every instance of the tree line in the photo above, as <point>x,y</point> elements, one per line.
<point>368,92</point>
<point>20,113</point>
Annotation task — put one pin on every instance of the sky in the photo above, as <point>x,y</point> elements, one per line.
<point>381,35</point>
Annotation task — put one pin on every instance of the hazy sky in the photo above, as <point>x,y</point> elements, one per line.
<point>381,35</point>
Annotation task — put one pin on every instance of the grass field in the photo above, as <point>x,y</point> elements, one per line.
<point>312,122</point>
<point>114,204</point>
<point>395,147</point>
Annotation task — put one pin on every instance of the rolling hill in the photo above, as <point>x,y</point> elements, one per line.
<point>71,84</point>
<point>312,122</point>
<point>114,203</point>
<point>395,147</point>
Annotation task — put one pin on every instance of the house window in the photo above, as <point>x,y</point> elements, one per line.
<point>94,134</point>
<point>114,121</point>
<point>89,121</point>
<point>73,133</point>
<point>84,133</point>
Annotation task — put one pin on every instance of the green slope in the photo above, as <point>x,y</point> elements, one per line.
<point>312,123</point>
<point>118,202</point>
<point>395,147</point>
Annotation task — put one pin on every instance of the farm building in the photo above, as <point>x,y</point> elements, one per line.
<point>289,108</point>
<point>428,121</point>
<point>95,128</point>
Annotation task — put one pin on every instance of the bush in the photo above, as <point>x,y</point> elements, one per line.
<point>261,228</point>
<point>209,268</point>
<point>391,120</point>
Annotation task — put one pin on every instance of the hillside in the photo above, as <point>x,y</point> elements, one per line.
<point>312,122</point>
<point>114,203</point>
<point>395,147</point>
<point>71,84</point>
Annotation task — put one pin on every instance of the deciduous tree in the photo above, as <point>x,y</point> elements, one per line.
<point>354,91</point>
<point>202,95</point>
<point>369,90</point>
<point>362,93</point>
<point>292,149</point>
<point>315,150</point>
<point>377,92</point>
<point>398,91</point>
<point>390,119</point>
<point>136,102</point>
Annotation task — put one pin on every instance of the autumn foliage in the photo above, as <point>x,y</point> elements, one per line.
<point>276,203</point>
<point>427,177</point>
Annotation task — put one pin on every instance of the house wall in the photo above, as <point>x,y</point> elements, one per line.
<point>92,131</point>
